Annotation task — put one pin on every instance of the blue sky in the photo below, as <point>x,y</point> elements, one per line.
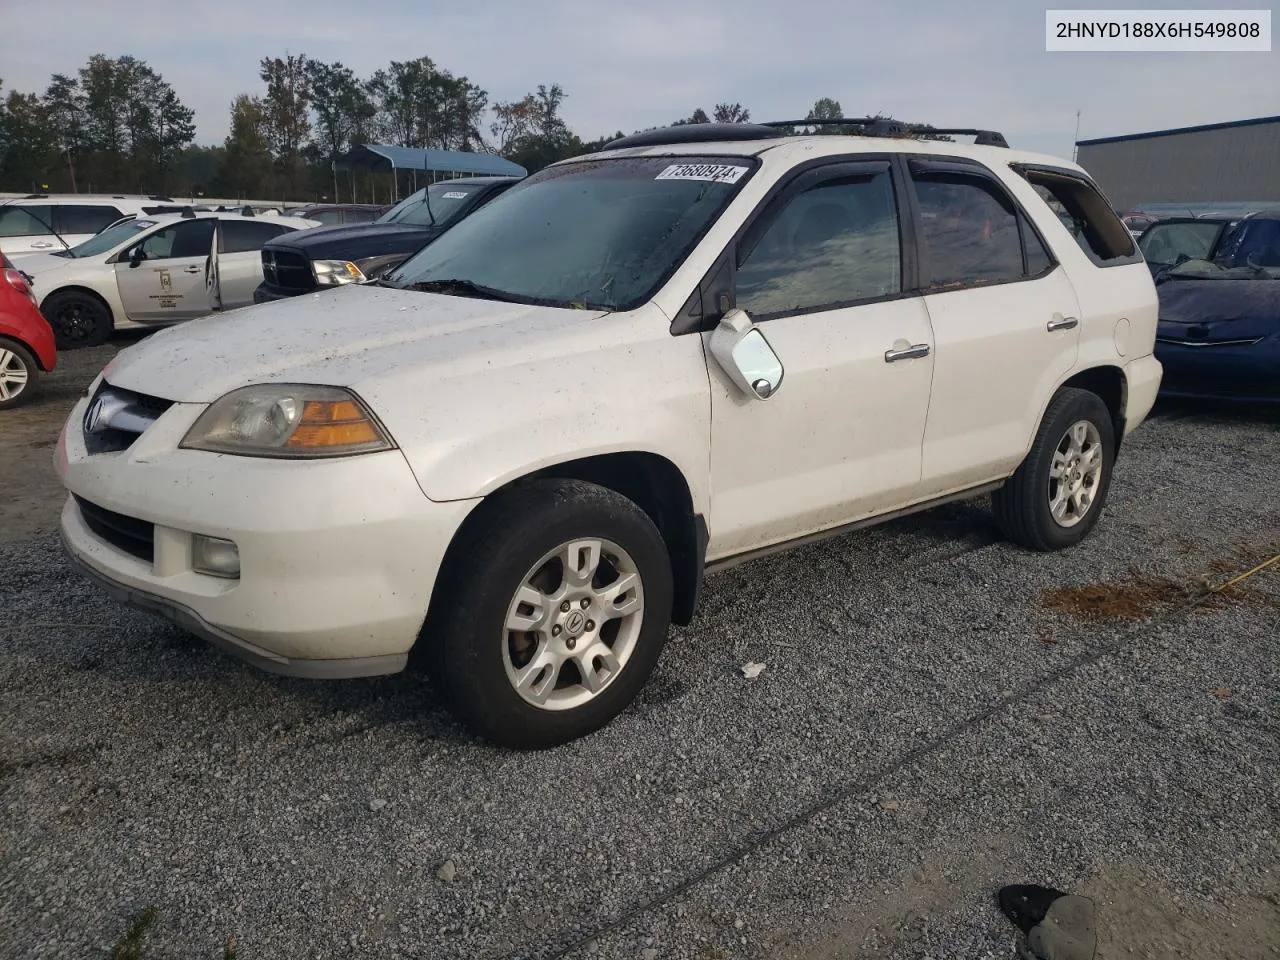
<point>630,66</point>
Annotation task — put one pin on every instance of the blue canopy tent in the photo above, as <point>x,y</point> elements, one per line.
<point>453,163</point>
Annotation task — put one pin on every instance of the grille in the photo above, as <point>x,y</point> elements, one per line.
<point>135,537</point>
<point>287,270</point>
<point>116,418</point>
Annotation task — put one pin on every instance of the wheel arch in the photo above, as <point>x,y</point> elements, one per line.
<point>1108,382</point>
<point>653,483</point>
<point>80,288</point>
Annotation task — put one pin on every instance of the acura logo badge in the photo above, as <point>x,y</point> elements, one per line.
<point>97,419</point>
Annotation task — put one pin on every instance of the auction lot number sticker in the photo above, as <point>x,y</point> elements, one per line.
<point>714,172</point>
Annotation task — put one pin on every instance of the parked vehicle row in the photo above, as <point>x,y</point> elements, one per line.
<point>152,270</point>
<point>517,454</point>
<point>334,256</point>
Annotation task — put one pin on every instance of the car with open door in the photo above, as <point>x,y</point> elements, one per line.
<point>516,456</point>
<point>152,271</point>
<point>359,252</point>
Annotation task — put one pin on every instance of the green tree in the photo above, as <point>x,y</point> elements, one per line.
<point>286,112</point>
<point>28,143</point>
<point>341,104</point>
<point>247,164</point>
<point>731,113</point>
<point>421,105</point>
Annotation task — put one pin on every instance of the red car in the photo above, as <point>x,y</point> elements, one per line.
<point>26,339</point>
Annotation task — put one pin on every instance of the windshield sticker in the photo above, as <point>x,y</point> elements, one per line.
<point>715,172</point>
<point>455,195</point>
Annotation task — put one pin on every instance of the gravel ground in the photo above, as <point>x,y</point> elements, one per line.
<point>933,722</point>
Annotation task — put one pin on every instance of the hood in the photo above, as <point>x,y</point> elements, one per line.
<point>343,337</point>
<point>355,241</point>
<point>38,263</point>
<point>1219,309</point>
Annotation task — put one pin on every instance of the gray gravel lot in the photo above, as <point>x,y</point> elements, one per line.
<point>927,728</point>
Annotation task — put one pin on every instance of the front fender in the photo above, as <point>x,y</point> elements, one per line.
<point>625,385</point>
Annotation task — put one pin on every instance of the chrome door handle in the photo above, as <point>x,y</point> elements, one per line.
<point>913,352</point>
<point>193,269</point>
<point>1062,323</point>
<point>41,245</point>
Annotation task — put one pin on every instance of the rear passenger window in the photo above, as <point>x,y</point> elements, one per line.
<point>27,221</point>
<point>86,218</point>
<point>241,236</point>
<point>1100,232</point>
<point>834,244</point>
<point>969,231</point>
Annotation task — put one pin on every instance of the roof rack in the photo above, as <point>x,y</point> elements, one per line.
<point>881,127</point>
<point>696,133</point>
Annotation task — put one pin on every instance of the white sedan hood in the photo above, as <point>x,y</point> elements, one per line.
<point>345,337</point>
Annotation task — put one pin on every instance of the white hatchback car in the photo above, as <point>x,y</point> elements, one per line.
<point>150,271</point>
<point>519,453</point>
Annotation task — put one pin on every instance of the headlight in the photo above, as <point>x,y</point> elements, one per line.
<point>335,273</point>
<point>287,420</point>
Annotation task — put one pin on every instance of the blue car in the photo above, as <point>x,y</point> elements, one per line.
<point>1218,280</point>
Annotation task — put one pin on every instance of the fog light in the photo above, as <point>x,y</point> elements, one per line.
<point>218,558</point>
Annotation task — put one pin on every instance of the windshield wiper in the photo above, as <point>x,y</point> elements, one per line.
<point>463,288</point>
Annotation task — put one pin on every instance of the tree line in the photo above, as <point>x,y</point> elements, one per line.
<point>116,125</point>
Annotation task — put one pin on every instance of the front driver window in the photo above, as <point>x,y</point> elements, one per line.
<point>833,244</point>
<point>179,241</point>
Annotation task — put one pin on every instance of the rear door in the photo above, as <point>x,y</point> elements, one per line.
<point>1005,319</point>
<point>240,257</point>
<point>28,228</point>
<point>162,277</point>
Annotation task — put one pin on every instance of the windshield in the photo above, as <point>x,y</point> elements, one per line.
<point>602,234</point>
<point>1166,242</point>
<point>446,202</point>
<point>1251,243</point>
<point>110,238</point>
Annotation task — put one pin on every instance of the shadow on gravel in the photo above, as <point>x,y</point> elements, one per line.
<point>1221,411</point>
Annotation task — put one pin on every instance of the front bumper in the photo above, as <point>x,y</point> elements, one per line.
<point>337,557</point>
<point>1245,372</point>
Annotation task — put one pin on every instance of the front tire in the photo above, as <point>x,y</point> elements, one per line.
<point>19,374</point>
<point>550,614</point>
<point>78,318</point>
<point>1057,495</point>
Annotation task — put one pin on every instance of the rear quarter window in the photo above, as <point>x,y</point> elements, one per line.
<point>1086,213</point>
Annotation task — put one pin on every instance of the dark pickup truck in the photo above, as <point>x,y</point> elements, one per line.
<point>323,257</point>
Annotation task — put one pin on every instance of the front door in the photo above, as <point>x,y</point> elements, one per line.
<point>240,245</point>
<point>821,273</point>
<point>1005,318</point>
<point>162,277</point>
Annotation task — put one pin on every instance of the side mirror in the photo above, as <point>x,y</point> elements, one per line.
<point>135,257</point>
<point>745,355</point>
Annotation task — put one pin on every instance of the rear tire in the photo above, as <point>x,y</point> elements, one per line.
<point>19,374</point>
<point>79,319</point>
<point>519,560</point>
<point>1056,497</point>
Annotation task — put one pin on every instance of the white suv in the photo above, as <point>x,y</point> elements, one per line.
<point>49,223</point>
<point>518,454</point>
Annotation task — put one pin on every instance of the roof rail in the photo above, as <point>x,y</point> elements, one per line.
<point>695,133</point>
<point>881,127</point>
